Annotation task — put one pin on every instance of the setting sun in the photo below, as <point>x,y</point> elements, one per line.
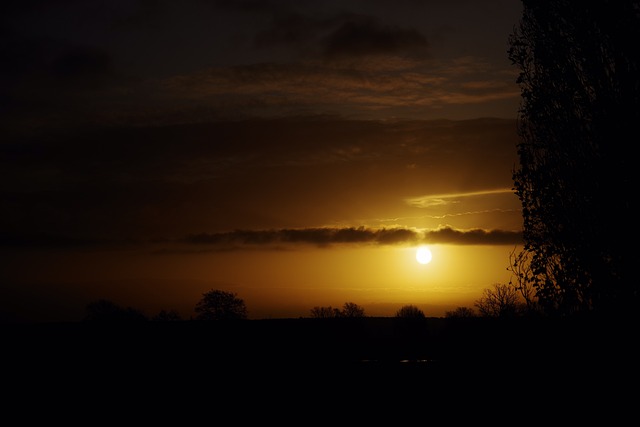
<point>423,255</point>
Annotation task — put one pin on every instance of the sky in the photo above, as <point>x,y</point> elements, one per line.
<point>295,153</point>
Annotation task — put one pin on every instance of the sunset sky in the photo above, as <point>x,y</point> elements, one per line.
<point>295,153</point>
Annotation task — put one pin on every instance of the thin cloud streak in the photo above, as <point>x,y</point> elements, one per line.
<point>447,199</point>
<point>448,215</point>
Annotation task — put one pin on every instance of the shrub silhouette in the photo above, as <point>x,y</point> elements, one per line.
<point>349,309</point>
<point>107,311</point>
<point>460,312</point>
<point>167,316</point>
<point>410,312</point>
<point>328,312</point>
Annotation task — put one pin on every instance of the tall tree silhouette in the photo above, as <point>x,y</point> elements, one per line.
<point>579,68</point>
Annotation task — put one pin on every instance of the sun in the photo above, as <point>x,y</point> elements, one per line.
<point>423,255</point>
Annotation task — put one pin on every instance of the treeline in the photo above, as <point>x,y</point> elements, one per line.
<point>501,301</point>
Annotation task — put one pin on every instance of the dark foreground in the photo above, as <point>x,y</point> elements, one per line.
<point>300,360</point>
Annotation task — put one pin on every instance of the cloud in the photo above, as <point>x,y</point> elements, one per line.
<point>323,237</point>
<point>315,236</point>
<point>353,235</point>
<point>338,35</point>
<point>291,30</point>
<point>367,86</point>
<point>169,181</point>
<point>429,201</point>
<point>448,235</point>
<point>362,36</point>
<point>18,241</point>
<point>77,63</point>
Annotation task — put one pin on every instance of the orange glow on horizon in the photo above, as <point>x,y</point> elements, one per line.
<point>282,283</point>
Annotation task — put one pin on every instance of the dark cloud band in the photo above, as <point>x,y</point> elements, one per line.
<point>352,235</point>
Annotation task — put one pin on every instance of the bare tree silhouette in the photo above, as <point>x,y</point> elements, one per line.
<point>500,301</point>
<point>351,309</point>
<point>327,312</point>
<point>220,305</point>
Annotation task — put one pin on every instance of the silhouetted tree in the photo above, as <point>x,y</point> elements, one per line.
<point>351,309</point>
<point>220,305</point>
<point>460,312</point>
<point>523,280</point>
<point>167,316</point>
<point>107,311</point>
<point>500,301</point>
<point>410,312</point>
<point>325,312</point>
<point>579,67</point>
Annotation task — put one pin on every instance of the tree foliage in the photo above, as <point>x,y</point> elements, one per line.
<point>107,311</point>
<point>326,312</point>
<point>579,67</point>
<point>220,305</point>
<point>167,316</point>
<point>410,311</point>
<point>460,312</point>
<point>523,280</point>
<point>349,309</point>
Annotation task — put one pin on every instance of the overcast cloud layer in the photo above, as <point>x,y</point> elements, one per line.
<point>70,63</point>
<point>152,120</point>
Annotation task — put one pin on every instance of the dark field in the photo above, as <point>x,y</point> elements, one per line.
<point>438,343</point>
<point>340,360</point>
